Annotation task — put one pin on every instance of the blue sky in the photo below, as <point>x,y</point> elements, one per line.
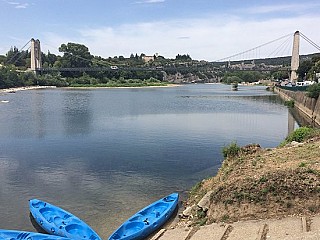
<point>205,29</point>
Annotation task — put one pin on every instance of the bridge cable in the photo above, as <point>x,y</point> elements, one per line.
<point>309,41</point>
<point>262,45</point>
<point>18,53</point>
<point>280,48</point>
<point>20,57</point>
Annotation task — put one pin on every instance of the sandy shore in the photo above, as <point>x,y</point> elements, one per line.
<point>12,90</point>
<point>164,86</point>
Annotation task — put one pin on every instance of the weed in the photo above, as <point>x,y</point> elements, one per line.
<point>225,218</point>
<point>231,150</point>
<point>302,164</point>
<point>195,189</point>
<point>298,135</point>
<point>289,104</point>
<point>202,222</point>
<point>263,179</point>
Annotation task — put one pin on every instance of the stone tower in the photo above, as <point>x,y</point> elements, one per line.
<point>295,57</point>
<point>36,63</point>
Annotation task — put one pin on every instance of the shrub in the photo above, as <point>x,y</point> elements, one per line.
<point>289,103</point>
<point>313,90</point>
<point>231,150</point>
<point>299,135</point>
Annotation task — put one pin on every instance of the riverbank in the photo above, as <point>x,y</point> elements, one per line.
<point>259,184</point>
<point>13,90</point>
<point>310,107</point>
<point>124,87</point>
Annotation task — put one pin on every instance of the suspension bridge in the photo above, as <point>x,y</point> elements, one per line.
<point>281,46</point>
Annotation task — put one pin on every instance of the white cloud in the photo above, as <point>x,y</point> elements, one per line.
<point>18,4</point>
<point>284,8</point>
<point>22,5</point>
<point>150,1</point>
<point>209,38</point>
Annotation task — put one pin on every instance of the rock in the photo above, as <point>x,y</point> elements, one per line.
<point>251,148</point>
<point>205,201</point>
<point>188,211</point>
<point>295,144</point>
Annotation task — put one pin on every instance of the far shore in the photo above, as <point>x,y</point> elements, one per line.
<point>12,90</point>
<point>93,87</point>
<point>16,89</point>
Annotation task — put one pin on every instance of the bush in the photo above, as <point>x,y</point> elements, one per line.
<point>298,135</point>
<point>231,150</point>
<point>313,91</point>
<point>289,104</point>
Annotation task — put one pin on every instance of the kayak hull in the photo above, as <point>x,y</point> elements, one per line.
<point>147,220</point>
<point>21,235</point>
<point>57,221</point>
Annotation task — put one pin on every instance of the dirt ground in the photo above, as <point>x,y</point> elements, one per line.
<point>261,183</point>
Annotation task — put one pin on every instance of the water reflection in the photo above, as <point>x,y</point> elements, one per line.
<point>77,111</point>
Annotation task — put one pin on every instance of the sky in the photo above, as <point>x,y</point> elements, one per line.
<point>205,29</point>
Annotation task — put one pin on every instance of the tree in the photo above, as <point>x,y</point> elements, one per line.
<point>313,90</point>
<point>16,57</point>
<point>184,57</point>
<point>75,55</point>
<point>304,68</point>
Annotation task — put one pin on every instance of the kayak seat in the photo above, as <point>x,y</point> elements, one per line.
<point>168,199</point>
<point>78,231</point>
<point>47,212</point>
<point>38,204</point>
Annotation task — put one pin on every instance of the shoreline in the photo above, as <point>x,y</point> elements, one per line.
<point>16,89</point>
<point>93,87</point>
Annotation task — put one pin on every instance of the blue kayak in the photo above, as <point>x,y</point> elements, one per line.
<point>57,221</point>
<point>147,220</point>
<point>22,235</point>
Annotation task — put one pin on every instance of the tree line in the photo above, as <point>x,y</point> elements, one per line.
<point>74,55</point>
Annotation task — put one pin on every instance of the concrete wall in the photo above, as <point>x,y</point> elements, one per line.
<point>308,106</point>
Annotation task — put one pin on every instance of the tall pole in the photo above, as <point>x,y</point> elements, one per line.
<point>295,57</point>
<point>36,63</point>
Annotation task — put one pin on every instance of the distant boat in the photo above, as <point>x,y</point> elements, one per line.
<point>147,220</point>
<point>4,101</point>
<point>57,221</point>
<point>21,235</point>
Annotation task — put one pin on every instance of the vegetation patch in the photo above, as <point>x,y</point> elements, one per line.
<point>299,135</point>
<point>289,103</point>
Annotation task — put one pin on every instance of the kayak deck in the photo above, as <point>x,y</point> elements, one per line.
<point>147,220</point>
<point>57,221</point>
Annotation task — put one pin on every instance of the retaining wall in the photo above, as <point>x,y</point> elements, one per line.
<point>309,106</point>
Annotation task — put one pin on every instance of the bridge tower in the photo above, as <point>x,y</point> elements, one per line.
<point>295,57</point>
<point>36,63</point>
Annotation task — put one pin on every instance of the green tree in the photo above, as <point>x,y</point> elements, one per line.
<point>313,90</point>
<point>304,68</point>
<point>75,55</point>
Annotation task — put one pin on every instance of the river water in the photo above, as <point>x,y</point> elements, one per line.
<point>103,154</point>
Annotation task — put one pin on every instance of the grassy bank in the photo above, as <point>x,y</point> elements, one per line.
<point>255,183</point>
